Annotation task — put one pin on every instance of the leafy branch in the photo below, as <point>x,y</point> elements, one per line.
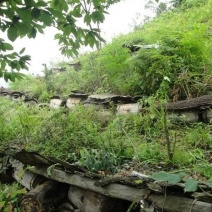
<point>21,18</point>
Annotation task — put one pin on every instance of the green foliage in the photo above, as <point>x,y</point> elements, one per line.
<point>205,169</point>
<point>9,196</point>
<point>26,18</point>
<point>200,136</point>
<point>99,160</point>
<point>193,3</point>
<point>30,85</point>
<point>12,59</point>
<point>178,69</point>
<point>190,185</point>
<point>157,6</point>
<point>61,133</point>
<point>164,176</point>
<point>178,55</point>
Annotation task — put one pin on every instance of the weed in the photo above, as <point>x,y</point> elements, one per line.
<point>9,196</point>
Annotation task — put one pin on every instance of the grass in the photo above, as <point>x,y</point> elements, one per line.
<point>79,134</point>
<point>180,69</point>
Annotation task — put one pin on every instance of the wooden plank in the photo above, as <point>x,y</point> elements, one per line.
<point>164,201</point>
<point>179,204</point>
<point>26,178</point>
<point>194,103</point>
<point>113,190</point>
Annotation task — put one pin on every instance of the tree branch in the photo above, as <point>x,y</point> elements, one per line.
<point>2,1</point>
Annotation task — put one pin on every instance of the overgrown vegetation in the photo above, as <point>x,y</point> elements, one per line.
<point>180,68</point>
<point>21,18</point>
<point>9,196</point>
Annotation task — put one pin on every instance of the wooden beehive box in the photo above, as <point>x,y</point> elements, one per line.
<point>75,98</point>
<point>31,101</point>
<point>76,65</point>
<point>5,94</point>
<point>124,109</point>
<point>16,95</point>
<point>56,102</point>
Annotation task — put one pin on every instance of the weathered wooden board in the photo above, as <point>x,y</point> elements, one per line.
<point>167,202</point>
<point>202,101</point>
<point>112,190</point>
<point>179,204</point>
<point>26,178</point>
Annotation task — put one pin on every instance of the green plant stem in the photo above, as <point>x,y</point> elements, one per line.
<point>130,142</point>
<point>168,142</point>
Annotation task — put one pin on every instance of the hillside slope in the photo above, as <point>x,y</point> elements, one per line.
<point>180,68</point>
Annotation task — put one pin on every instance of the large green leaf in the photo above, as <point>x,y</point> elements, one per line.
<point>46,18</point>
<point>12,76</point>
<point>57,14</point>
<point>76,12</point>
<point>55,3</point>
<point>41,3</point>
<point>7,46</point>
<point>64,5</point>
<point>12,33</point>
<point>190,185</point>
<point>6,76</point>
<point>22,50</point>
<point>59,5</point>
<point>87,18</point>
<point>35,13</point>
<point>29,3</point>
<point>3,65</point>
<point>32,33</point>
<point>23,28</point>
<point>25,14</point>
<point>98,16</point>
<point>167,177</point>
<point>96,3</point>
